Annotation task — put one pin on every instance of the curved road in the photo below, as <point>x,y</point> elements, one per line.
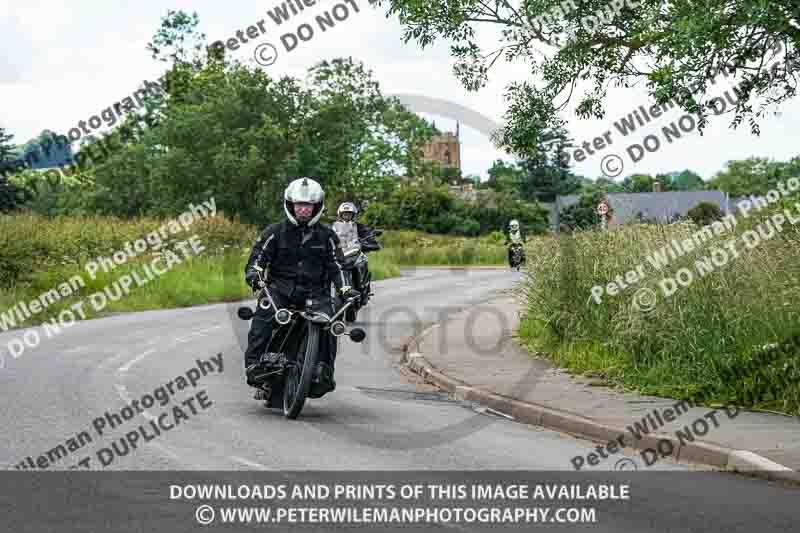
<point>379,418</point>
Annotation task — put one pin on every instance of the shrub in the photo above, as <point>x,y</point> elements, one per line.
<point>583,214</point>
<point>704,213</point>
<point>9,196</point>
<point>469,228</point>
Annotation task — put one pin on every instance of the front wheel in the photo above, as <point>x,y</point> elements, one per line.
<point>301,374</point>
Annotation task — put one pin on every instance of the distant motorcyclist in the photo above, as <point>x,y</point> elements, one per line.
<point>303,258</point>
<point>514,238</point>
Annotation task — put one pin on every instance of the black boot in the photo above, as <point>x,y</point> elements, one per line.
<point>323,381</point>
<point>251,372</point>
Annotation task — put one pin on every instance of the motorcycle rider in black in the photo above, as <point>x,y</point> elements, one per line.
<point>302,259</point>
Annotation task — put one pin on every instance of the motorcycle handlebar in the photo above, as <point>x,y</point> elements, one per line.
<point>264,291</point>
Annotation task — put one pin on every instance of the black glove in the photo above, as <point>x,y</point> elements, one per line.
<point>370,246</point>
<point>348,292</point>
<point>252,279</point>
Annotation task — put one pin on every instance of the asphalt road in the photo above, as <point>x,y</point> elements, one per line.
<point>377,419</point>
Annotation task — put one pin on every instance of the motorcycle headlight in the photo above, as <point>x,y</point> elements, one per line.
<point>283,316</point>
<point>338,328</point>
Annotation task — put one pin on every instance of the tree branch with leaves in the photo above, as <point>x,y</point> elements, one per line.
<point>675,49</point>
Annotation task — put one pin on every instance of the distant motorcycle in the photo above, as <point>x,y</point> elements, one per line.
<point>293,351</point>
<point>517,255</point>
<point>356,265</point>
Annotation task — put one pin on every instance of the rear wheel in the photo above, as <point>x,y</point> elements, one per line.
<point>300,375</point>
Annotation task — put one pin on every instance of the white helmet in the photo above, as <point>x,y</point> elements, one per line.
<point>513,225</point>
<point>304,190</point>
<point>347,207</point>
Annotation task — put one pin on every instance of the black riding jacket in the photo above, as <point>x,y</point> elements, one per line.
<point>302,261</point>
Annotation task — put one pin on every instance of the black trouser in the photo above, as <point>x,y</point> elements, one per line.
<point>264,324</point>
<point>511,253</point>
<point>354,278</point>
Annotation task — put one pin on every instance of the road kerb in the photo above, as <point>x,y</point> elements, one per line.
<point>698,452</point>
<point>445,382</point>
<point>411,345</point>
<point>747,462</point>
<point>705,453</point>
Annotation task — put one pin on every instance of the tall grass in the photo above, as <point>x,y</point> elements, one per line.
<point>694,340</point>
<point>31,244</point>
<point>411,248</point>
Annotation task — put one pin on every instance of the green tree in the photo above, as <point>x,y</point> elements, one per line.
<point>676,48</point>
<point>687,180</point>
<point>638,183</point>
<point>6,148</point>
<point>10,195</point>
<point>546,173</point>
<point>43,151</point>
<point>232,134</point>
<point>505,177</point>
<point>603,185</point>
<point>236,133</point>
<point>755,175</point>
<point>178,39</point>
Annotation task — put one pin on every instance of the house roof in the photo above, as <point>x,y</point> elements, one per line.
<point>653,205</point>
<point>662,205</point>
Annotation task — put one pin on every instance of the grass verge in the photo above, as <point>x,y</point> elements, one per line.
<point>39,254</point>
<point>708,339</point>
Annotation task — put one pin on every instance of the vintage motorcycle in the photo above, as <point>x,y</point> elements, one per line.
<point>295,346</point>
<point>356,265</point>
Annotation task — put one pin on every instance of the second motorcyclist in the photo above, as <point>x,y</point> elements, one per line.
<point>349,230</point>
<point>352,233</point>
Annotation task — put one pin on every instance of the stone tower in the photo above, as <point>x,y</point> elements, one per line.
<point>444,149</point>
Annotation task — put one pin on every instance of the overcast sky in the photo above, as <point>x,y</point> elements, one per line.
<point>64,62</point>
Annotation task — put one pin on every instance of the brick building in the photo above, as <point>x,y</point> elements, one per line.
<point>444,149</point>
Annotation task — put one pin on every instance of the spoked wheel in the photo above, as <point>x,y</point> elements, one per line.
<point>301,373</point>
